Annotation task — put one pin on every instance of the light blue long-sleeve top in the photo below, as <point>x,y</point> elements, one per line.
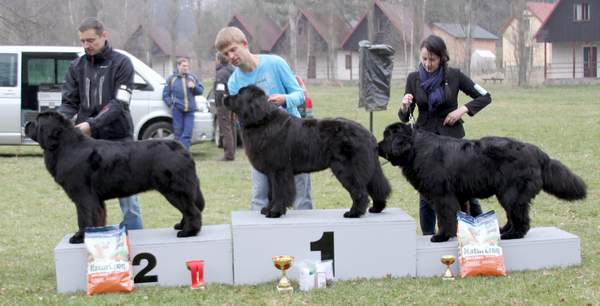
<point>274,76</point>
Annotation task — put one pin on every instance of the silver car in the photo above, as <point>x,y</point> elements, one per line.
<point>31,79</point>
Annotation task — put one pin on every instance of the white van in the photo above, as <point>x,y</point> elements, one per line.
<point>31,79</point>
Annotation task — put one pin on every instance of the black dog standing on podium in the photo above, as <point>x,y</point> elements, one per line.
<point>91,171</point>
<point>281,146</point>
<point>449,171</point>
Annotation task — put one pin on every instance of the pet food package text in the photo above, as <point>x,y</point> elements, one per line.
<point>109,268</point>
<point>478,245</point>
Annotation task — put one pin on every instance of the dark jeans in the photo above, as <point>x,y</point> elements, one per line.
<point>227,131</point>
<point>427,214</point>
<point>183,126</point>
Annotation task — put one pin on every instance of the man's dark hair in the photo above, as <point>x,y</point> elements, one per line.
<point>437,46</point>
<point>91,23</point>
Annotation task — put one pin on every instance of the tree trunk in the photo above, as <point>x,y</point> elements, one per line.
<point>371,35</point>
<point>468,38</point>
<point>417,29</point>
<point>293,35</point>
<point>332,41</point>
<point>522,50</point>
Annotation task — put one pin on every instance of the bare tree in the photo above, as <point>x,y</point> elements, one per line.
<point>419,7</point>
<point>522,47</point>
<point>292,21</point>
<point>468,36</point>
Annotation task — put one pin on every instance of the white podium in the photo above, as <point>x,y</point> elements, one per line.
<point>542,247</point>
<point>372,246</point>
<point>158,258</point>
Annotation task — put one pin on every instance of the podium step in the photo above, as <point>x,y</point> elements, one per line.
<point>542,247</point>
<point>372,246</point>
<point>158,258</point>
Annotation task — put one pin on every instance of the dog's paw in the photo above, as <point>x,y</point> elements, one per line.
<point>505,229</point>
<point>178,226</point>
<point>182,234</point>
<point>375,210</point>
<point>439,238</point>
<point>352,214</point>
<point>512,235</point>
<point>76,239</point>
<point>273,214</point>
<point>265,211</point>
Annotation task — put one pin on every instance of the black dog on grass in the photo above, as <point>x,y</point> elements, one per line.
<point>449,171</point>
<point>91,171</point>
<point>281,146</point>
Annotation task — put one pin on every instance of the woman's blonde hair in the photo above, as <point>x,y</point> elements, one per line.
<point>228,36</point>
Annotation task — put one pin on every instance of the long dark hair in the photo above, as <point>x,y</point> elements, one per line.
<point>437,46</point>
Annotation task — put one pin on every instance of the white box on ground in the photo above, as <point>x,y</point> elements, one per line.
<point>542,247</point>
<point>158,258</point>
<point>374,245</point>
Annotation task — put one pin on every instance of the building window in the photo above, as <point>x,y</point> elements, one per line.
<point>581,11</point>
<point>348,61</point>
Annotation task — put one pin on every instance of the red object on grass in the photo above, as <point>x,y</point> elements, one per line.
<point>197,269</point>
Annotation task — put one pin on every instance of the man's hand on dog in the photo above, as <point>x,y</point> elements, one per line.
<point>277,99</point>
<point>85,128</point>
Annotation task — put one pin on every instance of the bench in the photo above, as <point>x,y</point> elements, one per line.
<point>493,80</point>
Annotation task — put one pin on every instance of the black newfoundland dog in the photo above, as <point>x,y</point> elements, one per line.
<point>281,146</point>
<point>92,171</point>
<point>449,171</point>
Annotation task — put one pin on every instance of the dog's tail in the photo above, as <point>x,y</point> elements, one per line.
<point>379,188</point>
<point>561,182</point>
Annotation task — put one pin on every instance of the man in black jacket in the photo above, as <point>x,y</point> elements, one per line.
<point>98,89</point>
<point>225,117</point>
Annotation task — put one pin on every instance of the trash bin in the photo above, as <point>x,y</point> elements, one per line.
<point>376,63</point>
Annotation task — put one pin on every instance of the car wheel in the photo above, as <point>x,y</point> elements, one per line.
<point>159,130</point>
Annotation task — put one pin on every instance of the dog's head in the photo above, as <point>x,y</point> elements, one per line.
<point>47,129</point>
<point>396,144</point>
<point>251,105</point>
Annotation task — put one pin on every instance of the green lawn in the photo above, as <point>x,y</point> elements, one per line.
<point>563,121</point>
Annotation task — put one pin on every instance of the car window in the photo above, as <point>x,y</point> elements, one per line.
<point>40,71</point>
<point>140,84</point>
<point>8,69</point>
<point>46,69</point>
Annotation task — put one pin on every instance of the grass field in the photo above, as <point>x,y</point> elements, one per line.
<point>563,121</point>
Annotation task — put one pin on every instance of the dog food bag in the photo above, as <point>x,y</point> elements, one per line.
<point>478,245</point>
<point>109,268</point>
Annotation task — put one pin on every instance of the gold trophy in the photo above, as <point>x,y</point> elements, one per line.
<point>448,260</point>
<point>283,263</point>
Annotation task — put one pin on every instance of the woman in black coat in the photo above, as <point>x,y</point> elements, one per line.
<point>434,90</point>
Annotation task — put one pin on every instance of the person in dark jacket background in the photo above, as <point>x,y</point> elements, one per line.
<point>98,89</point>
<point>434,90</point>
<point>179,94</point>
<point>225,117</point>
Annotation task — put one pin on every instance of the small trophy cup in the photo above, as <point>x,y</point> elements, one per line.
<point>448,260</point>
<point>197,269</point>
<point>283,263</point>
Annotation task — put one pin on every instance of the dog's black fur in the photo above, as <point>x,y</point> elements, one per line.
<point>91,171</point>
<point>281,146</point>
<point>449,171</point>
